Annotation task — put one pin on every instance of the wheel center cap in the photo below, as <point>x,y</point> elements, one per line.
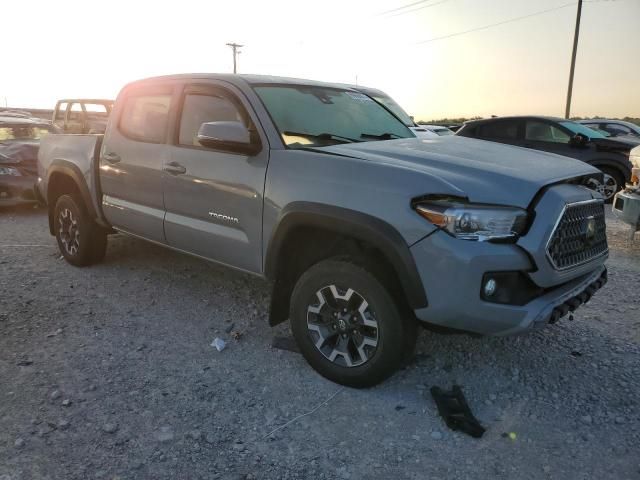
<point>342,325</point>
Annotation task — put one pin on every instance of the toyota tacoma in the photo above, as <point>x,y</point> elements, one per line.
<point>363,230</point>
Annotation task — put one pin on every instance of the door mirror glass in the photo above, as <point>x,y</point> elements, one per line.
<point>226,135</point>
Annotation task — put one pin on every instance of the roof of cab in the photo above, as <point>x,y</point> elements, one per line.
<point>238,78</point>
<point>516,117</point>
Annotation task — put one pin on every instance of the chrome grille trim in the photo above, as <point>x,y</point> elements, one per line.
<point>562,249</point>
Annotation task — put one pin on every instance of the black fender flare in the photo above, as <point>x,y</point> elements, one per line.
<point>351,223</point>
<point>624,168</point>
<point>68,169</point>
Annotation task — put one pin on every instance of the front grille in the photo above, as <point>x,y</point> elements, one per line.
<point>579,236</point>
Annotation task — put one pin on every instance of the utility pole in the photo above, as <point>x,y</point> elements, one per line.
<point>567,110</point>
<point>235,47</point>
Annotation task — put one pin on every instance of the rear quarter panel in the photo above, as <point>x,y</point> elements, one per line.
<point>71,151</point>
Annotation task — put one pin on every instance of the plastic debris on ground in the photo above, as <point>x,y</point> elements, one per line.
<point>219,344</point>
<point>455,411</point>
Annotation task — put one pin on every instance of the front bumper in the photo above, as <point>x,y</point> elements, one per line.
<point>452,271</point>
<point>16,190</point>
<point>626,206</point>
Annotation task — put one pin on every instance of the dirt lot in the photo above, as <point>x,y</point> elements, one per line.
<point>107,372</point>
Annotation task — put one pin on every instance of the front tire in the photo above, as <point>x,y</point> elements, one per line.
<point>612,183</point>
<point>81,241</point>
<point>347,324</point>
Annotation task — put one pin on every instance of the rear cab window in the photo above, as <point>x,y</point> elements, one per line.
<point>145,116</point>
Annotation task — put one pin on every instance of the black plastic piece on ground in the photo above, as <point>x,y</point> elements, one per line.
<point>453,408</point>
<point>285,343</point>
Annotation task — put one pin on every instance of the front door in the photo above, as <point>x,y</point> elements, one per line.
<point>213,198</point>
<point>132,159</point>
<point>545,136</point>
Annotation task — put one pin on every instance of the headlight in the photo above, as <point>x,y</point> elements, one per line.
<point>10,171</point>
<point>474,221</point>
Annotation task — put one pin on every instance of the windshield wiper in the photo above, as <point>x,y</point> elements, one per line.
<point>382,136</point>
<point>321,136</point>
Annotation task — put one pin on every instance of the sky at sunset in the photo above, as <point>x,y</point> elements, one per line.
<point>87,48</point>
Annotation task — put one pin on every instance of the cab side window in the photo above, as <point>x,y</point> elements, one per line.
<point>145,117</point>
<point>500,130</point>
<point>544,132</point>
<point>202,108</point>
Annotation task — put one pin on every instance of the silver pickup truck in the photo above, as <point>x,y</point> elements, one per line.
<point>363,230</point>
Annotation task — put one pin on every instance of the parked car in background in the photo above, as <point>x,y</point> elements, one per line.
<point>420,130</point>
<point>615,128</point>
<point>626,205</point>
<point>385,100</point>
<point>20,136</point>
<point>562,137</point>
<point>80,115</point>
<point>363,229</point>
<point>437,129</point>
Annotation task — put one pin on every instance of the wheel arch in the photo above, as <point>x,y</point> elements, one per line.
<point>625,170</point>
<point>335,231</point>
<point>64,177</point>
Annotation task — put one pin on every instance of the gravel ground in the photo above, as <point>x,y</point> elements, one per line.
<point>107,372</point>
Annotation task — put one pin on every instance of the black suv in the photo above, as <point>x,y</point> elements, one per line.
<point>563,137</point>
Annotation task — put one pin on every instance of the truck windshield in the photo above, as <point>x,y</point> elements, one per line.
<point>396,109</point>
<point>313,116</point>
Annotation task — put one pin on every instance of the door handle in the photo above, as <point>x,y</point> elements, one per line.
<point>112,157</point>
<point>174,168</point>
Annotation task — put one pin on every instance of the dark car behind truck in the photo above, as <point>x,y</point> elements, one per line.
<point>563,137</point>
<point>362,229</point>
<point>20,136</point>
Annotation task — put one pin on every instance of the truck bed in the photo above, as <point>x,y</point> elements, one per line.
<point>79,153</point>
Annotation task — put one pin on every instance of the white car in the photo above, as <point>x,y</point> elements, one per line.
<point>614,128</point>
<point>439,130</point>
<point>421,131</point>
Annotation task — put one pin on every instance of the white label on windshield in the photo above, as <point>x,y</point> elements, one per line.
<point>361,97</point>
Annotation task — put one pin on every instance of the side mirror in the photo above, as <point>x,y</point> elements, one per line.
<point>578,140</point>
<point>230,136</point>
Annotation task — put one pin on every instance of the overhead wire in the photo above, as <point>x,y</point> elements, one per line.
<point>491,25</point>
<point>403,7</point>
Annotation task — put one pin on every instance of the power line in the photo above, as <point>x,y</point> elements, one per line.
<point>484,27</point>
<point>416,9</point>
<point>404,6</point>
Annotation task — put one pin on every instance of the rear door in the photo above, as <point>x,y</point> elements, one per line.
<point>213,197</point>
<point>502,131</point>
<point>133,154</point>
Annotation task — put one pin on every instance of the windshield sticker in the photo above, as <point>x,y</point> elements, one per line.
<point>361,97</point>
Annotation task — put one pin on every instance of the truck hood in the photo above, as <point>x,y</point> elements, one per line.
<point>622,143</point>
<point>484,172</point>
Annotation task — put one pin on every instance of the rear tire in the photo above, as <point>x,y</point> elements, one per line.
<point>81,241</point>
<point>347,324</point>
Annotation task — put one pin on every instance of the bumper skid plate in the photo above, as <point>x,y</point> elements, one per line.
<point>572,303</point>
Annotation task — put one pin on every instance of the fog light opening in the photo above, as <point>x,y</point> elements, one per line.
<point>490,287</point>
